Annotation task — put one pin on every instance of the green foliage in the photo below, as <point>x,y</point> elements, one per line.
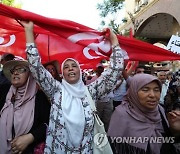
<point>124,20</point>
<point>145,39</point>
<point>103,23</point>
<point>109,6</point>
<point>8,2</point>
<point>127,32</point>
<point>13,3</point>
<point>114,26</point>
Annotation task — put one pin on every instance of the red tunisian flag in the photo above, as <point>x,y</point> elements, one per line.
<point>59,39</point>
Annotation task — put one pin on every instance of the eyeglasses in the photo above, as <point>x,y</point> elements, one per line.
<point>18,70</point>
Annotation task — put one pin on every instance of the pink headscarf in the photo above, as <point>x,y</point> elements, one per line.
<point>20,113</point>
<point>131,119</point>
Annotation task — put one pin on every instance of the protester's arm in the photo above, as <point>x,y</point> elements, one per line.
<point>106,82</point>
<point>118,84</point>
<point>29,33</point>
<point>127,72</point>
<point>47,83</point>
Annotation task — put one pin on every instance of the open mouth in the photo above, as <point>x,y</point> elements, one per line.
<point>71,74</point>
<point>16,78</point>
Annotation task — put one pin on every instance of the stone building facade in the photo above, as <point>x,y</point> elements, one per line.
<point>157,20</point>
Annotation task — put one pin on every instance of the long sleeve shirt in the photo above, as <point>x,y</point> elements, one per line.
<point>57,136</point>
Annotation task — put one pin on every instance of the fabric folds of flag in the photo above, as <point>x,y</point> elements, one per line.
<point>59,39</point>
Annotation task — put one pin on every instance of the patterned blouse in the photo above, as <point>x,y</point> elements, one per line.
<point>57,135</point>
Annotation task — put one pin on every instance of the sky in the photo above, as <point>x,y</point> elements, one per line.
<point>80,11</point>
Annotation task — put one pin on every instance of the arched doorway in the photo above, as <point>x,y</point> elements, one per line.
<point>159,26</point>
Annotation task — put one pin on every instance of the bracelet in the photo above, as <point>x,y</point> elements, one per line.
<point>114,46</point>
<point>33,45</point>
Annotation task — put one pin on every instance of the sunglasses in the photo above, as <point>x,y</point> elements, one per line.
<point>18,70</point>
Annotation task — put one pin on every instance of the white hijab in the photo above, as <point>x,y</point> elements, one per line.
<point>72,108</point>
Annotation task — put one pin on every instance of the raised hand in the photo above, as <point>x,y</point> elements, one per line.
<point>29,28</point>
<point>112,36</point>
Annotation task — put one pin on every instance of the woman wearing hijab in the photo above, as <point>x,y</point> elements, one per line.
<point>71,120</point>
<point>139,120</point>
<point>25,113</point>
<point>53,68</point>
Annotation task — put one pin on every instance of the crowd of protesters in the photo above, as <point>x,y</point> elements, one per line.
<point>41,107</point>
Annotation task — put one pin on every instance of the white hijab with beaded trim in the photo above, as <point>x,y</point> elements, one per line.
<point>72,107</point>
